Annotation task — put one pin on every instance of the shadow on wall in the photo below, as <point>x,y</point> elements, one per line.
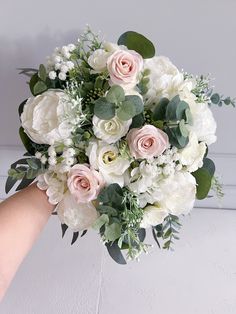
<point>17,53</point>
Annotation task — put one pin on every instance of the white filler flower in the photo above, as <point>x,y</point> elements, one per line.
<point>153,215</point>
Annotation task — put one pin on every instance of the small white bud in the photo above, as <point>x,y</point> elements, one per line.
<point>43,160</point>
<point>62,76</point>
<point>52,75</point>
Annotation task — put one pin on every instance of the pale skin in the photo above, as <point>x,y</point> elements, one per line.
<point>22,218</point>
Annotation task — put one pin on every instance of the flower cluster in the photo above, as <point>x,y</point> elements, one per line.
<point>118,138</point>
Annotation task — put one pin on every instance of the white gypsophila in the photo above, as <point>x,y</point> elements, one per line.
<point>204,124</point>
<point>110,131</point>
<point>165,80</point>
<point>46,117</point>
<point>106,159</point>
<point>98,60</point>
<point>76,216</point>
<point>153,215</point>
<point>192,155</point>
<point>53,184</point>
<point>178,193</point>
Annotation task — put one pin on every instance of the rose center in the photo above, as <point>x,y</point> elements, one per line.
<point>84,183</point>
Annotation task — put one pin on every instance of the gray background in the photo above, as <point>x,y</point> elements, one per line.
<point>200,276</point>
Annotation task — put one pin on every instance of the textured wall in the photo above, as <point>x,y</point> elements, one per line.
<point>200,276</point>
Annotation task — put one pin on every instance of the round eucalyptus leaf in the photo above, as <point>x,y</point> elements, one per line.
<point>104,109</point>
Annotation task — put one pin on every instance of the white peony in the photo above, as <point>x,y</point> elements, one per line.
<point>54,184</point>
<point>110,131</point>
<point>178,193</point>
<point>153,215</point>
<point>165,80</point>
<point>204,124</point>
<point>106,159</point>
<point>98,60</point>
<point>44,117</point>
<point>75,215</point>
<point>192,155</point>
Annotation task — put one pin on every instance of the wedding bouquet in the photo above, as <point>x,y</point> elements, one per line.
<point>118,138</point>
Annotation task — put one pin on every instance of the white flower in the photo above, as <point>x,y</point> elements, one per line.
<point>52,151</point>
<point>52,161</point>
<point>111,47</point>
<point>43,160</point>
<point>192,155</point>
<point>38,155</point>
<point>44,117</point>
<point>106,159</point>
<point>111,130</point>
<point>153,215</point>
<point>62,76</point>
<point>53,185</point>
<point>178,193</point>
<point>75,215</point>
<point>98,60</point>
<point>52,75</point>
<point>204,124</point>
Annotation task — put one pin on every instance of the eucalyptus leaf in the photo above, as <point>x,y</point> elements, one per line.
<point>100,221</point>
<point>135,41</point>
<point>203,179</point>
<point>137,102</point>
<point>104,109</point>
<point>115,253</point>
<point>112,231</point>
<point>26,141</point>
<point>126,111</point>
<point>24,183</point>
<point>183,129</point>
<point>215,98</point>
<point>115,95</point>
<point>10,182</point>
<point>137,121</point>
<point>75,237</point>
<point>64,227</point>
<point>159,112</point>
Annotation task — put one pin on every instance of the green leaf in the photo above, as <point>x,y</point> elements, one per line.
<point>26,141</point>
<point>111,194</point>
<point>21,107</point>
<point>135,41</point>
<point>126,111</point>
<point>75,237</point>
<point>113,231</point>
<point>115,253</point>
<point>104,109</point>
<point>159,112</point>
<point>39,88</point>
<point>183,129</point>
<point>137,101</point>
<point>34,79</point>
<point>142,234</point>
<point>175,110</point>
<point>188,117</point>
<point>203,179</point>
<point>9,184</point>
<point>102,220</point>
<point>137,121</point>
<point>115,95</point>
<point>105,209</point>
<point>33,163</point>
<point>176,138</point>
<point>209,165</point>
<point>64,227</point>
<point>42,72</point>
<point>24,183</point>
<point>215,99</point>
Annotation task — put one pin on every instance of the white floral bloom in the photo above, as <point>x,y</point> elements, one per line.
<point>43,160</point>
<point>52,161</point>
<point>111,130</point>
<point>62,76</point>
<point>178,193</point>
<point>52,151</point>
<point>38,155</point>
<point>64,68</point>
<point>204,124</point>
<point>75,215</point>
<point>153,215</point>
<point>44,118</point>
<point>70,65</point>
<point>106,159</point>
<point>53,185</point>
<point>52,75</point>
<point>192,155</point>
<point>98,60</point>
<point>111,47</point>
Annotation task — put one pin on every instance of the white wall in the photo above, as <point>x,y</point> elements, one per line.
<point>199,277</point>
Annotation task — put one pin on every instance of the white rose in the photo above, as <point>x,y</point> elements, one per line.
<point>178,193</point>
<point>192,155</point>
<point>111,47</point>
<point>98,60</point>
<point>53,184</point>
<point>204,124</point>
<point>153,215</point>
<point>76,216</point>
<point>110,131</point>
<point>43,117</point>
<point>106,159</point>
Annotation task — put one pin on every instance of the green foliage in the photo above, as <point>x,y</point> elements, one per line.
<point>216,186</point>
<point>42,73</point>
<point>167,231</point>
<point>204,177</point>
<point>21,107</point>
<point>115,95</point>
<point>135,41</point>
<point>219,100</point>
<point>104,109</point>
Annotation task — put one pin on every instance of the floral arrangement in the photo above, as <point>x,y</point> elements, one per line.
<point>118,138</point>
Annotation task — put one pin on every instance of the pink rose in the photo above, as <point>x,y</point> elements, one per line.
<point>124,67</point>
<point>147,142</point>
<point>84,183</point>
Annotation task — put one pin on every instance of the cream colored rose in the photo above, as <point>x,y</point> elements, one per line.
<point>106,159</point>
<point>44,117</point>
<point>124,67</point>
<point>77,216</point>
<point>98,60</point>
<point>147,142</point>
<point>153,215</point>
<point>110,131</point>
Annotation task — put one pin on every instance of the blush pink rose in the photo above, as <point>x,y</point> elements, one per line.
<point>124,67</point>
<point>147,142</point>
<point>84,183</point>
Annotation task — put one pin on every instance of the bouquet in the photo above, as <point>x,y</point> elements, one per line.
<point>118,138</point>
